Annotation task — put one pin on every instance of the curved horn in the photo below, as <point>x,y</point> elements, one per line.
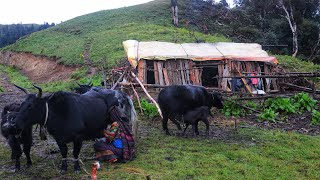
<point>22,89</point>
<point>39,90</point>
<point>78,84</point>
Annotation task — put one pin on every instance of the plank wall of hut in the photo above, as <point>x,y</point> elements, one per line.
<point>206,73</point>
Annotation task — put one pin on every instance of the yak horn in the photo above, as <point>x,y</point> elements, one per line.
<point>39,95</point>
<point>22,89</point>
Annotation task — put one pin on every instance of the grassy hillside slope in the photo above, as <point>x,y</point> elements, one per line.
<point>103,33</point>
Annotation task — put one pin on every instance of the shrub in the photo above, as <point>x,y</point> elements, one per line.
<point>303,102</point>
<point>315,117</point>
<point>148,109</point>
<point>282,105</point>
<point>232,109</point>
<point>268,115</point>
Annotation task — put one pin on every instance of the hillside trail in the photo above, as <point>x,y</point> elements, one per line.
<point>11,94</point>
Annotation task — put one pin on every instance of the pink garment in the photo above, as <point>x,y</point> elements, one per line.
<point>254,81</point>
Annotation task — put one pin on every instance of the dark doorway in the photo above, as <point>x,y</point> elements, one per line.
<point>150,72</point>
<point>208,76</point>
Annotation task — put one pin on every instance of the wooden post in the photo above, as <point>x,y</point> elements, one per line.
<point>160,73</point>
<point>313,89</point>
<point>145,91</point>
<point>181,72</point>
<point>166,77</point>
<point>156,72</point>
<point>244,81</point>
<point>142,72</point>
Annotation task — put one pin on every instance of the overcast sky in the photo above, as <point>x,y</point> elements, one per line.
<point>40,11</point>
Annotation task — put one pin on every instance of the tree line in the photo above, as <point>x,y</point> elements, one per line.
<point>9,34</point>
<point>281,26</point>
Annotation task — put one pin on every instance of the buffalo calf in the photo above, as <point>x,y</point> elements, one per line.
<point>177,100</point>
<point>8,116</point>
<point>194,116</point>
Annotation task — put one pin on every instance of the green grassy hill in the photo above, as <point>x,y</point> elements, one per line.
<point>103,33</point>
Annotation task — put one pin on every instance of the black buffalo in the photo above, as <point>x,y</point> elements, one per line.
<point>8,116</point>
<point>176,100</point>
<point>125,102</point>
<point>194,116</point>
<point>68,117</point>
<point>83,88</point>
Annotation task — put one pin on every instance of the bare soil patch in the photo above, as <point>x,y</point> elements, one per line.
<point>39,69</point>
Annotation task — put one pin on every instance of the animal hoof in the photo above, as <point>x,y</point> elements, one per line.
<point>77,171</point>
<point>16,170</point>
<point>29,165</point>
<point>62,171</point>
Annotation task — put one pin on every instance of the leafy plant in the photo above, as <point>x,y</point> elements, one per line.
<point>232,109</point>
<point>149,109</point>
<point>303,102</point>
<point>1,89</point>
<point>268,115</point>
<point>282,105</point>
<point>251,105</point>
<point>315,117</point>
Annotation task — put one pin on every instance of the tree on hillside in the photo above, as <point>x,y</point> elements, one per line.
<point>174,8</point>
<point>287,7</point>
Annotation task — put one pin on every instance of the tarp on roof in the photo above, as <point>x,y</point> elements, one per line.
<point>155,50</point>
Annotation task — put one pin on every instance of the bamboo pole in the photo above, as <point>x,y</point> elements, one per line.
<point>144,89</point>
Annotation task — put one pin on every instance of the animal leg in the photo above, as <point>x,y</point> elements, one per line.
<point>207,126</point>
<point>15,151</point>
<point>64,151</point>
<point>26,150</point>
<point>196,130</point>
<point>27,143</point>
<point>165,124</point>
<point>76,150</point>
<point>187,124</point>
<point>176,121</point>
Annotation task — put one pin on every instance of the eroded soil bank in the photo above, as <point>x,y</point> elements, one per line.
<point>39,69</point>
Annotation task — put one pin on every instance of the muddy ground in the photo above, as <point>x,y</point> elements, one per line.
<point>221,128</point>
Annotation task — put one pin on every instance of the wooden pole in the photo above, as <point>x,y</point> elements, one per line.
<point>104,78</point>
<point>301,88</point>
<point>145,91</point>
<point>313,89</point>
<point>276,76</point>
<point>243,106</point>
<point>137,96</point>
<point>120,78</point>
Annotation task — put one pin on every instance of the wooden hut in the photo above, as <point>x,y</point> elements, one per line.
<point>208,64</point>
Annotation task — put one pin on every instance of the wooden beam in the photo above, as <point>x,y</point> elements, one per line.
<point>146,92</point>
<point>301,88</point>
<point>244,81</point>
